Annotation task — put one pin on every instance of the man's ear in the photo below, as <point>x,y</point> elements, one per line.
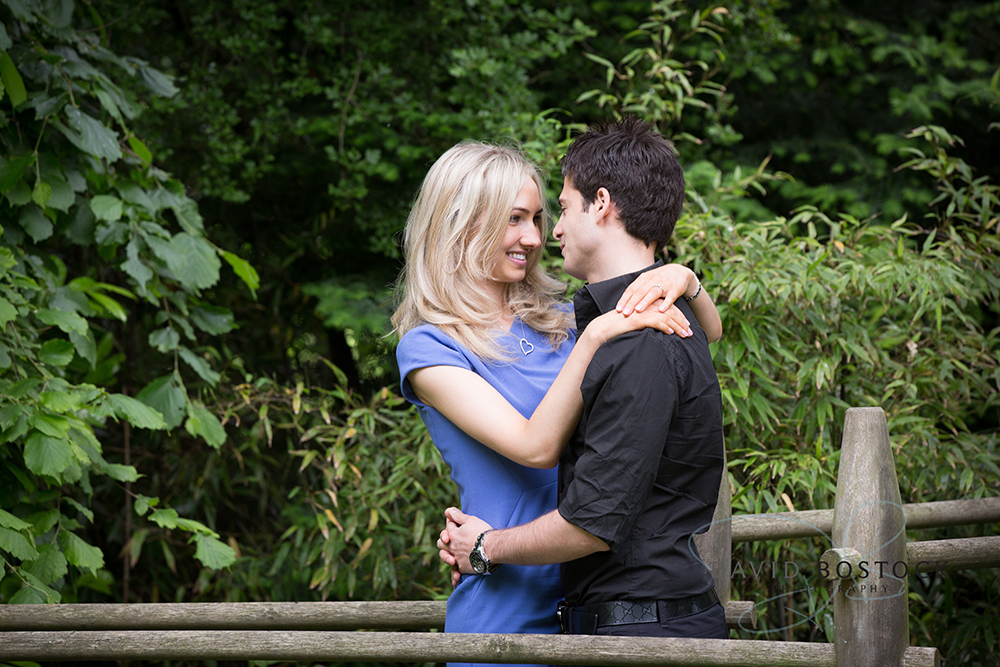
<point>603,206</point>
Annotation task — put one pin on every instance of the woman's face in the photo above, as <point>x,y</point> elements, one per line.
<point>522,235</point>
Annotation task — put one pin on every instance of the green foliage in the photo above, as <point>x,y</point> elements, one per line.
<point>86,248</point>
<point>333,496</point>
<point>671,71</point>
<point>303,131</point>
<point>826,312</point>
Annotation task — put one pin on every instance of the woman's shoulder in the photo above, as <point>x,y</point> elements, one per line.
<point>428,341</point>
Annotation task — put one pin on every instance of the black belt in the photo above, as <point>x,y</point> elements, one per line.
<point>585,619</point>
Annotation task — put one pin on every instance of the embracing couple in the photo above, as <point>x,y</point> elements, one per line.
<point>617,391</point>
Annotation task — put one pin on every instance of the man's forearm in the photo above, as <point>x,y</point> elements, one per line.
<point>547,539</point>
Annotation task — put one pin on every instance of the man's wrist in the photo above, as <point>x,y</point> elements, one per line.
<point>478,558</point>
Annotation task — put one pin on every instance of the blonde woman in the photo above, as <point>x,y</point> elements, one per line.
<point>488,354</point>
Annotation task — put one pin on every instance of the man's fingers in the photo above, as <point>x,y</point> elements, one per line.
<point>447,557</point>
<point>454,514</point>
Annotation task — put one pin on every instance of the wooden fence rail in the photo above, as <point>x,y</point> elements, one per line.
<point>813,523</point>
<point>427,615</point>
<point>866,527</point>
<point>427,647</point>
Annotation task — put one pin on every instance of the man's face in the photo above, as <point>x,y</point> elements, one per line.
<point>576,232</point>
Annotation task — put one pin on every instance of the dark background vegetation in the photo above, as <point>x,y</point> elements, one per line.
<point>229,240</point>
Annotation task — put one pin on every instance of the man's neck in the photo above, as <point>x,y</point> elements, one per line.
<point>616,262</point>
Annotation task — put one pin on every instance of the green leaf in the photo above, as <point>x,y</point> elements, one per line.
<point>165,339</point>
<point>55,426</point>
<point>244,270</point>
<point>79,553</point>
<point>90,135</point>
<point>19,195</point>
<point>143,503</point>
<point>212,319</point>
<point>138,413</point>
<point>5,43</point>
<point>62,195</point>
<point>164,518</point>
<point>108,304</point>
<point>194,263</point>
<point>200,366</point>
<point>45,455</point>
<point>59,13</point>
<point>50,564</point>
<point>42,193</point>
<point>33,220</point>
<point>61,401</point>
<point>203,423</point>
<point>8,520</point>
<point>12,80</point>
<point>133,266</point>
<point>15,432</point>
<point>67,321</point>
<point>57,352</point>
<point>17,545</point>
<point>34,590</point>
<point>213,553</point>
<point>8,313</point>
<point>140,149</point>
<point>166,396</point>
<point>85,346</point>
<point>12,170</point>
<point>106,207</point>
<point>157,81</point>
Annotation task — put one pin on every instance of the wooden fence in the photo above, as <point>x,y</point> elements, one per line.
<point>867,527</point>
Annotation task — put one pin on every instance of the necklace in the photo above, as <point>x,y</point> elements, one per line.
<point>526,347</point>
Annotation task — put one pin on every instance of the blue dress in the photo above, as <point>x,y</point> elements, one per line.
<point>514,599</point>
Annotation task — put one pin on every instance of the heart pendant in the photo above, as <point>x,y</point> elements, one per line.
<point>526,347</point>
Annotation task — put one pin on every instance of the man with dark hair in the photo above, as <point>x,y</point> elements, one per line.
<point>642,472</point>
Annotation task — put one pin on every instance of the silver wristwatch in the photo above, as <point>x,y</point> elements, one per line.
<point>478,559</point>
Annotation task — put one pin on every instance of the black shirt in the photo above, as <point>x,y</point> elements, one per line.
<point>642,470</point>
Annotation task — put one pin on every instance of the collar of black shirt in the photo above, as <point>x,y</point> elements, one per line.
<point>595,299</point>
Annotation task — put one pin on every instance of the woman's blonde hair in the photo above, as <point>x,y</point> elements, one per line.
<point>453,236</point>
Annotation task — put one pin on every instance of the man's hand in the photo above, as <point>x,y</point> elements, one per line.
<point>458,538</point>
<point>446,556</point>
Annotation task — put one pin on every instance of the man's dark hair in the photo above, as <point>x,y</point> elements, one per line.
<point>638,167</point>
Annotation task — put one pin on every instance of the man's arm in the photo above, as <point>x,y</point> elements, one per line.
<point>547,539</point>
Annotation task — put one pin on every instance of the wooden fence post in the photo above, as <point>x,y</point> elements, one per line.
<point>870,618</point>
<point>716,546</point>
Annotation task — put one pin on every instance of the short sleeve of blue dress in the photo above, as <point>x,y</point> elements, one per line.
<point>492,487</point>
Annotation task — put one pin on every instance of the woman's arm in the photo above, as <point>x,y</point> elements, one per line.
<point>676,280</point>
<point>473,405</point>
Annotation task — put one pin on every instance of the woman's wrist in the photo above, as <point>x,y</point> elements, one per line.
<point>692,287</point>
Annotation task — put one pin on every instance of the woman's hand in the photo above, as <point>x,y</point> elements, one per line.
<point>613,324</point>
<point>668,282</point>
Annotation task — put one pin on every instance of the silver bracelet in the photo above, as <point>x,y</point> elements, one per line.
<point>695,295</point>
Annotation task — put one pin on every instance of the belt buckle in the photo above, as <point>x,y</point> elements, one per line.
<point>563,617</point>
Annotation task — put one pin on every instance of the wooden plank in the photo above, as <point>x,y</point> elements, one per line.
<point>810,523</point>
<point>411,647</point>
<point>869,615</point>
<point>716,545</point>
<point>418,615</point>
<point>965,553</point>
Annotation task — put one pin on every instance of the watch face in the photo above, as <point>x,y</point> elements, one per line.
<point>477,563</point>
